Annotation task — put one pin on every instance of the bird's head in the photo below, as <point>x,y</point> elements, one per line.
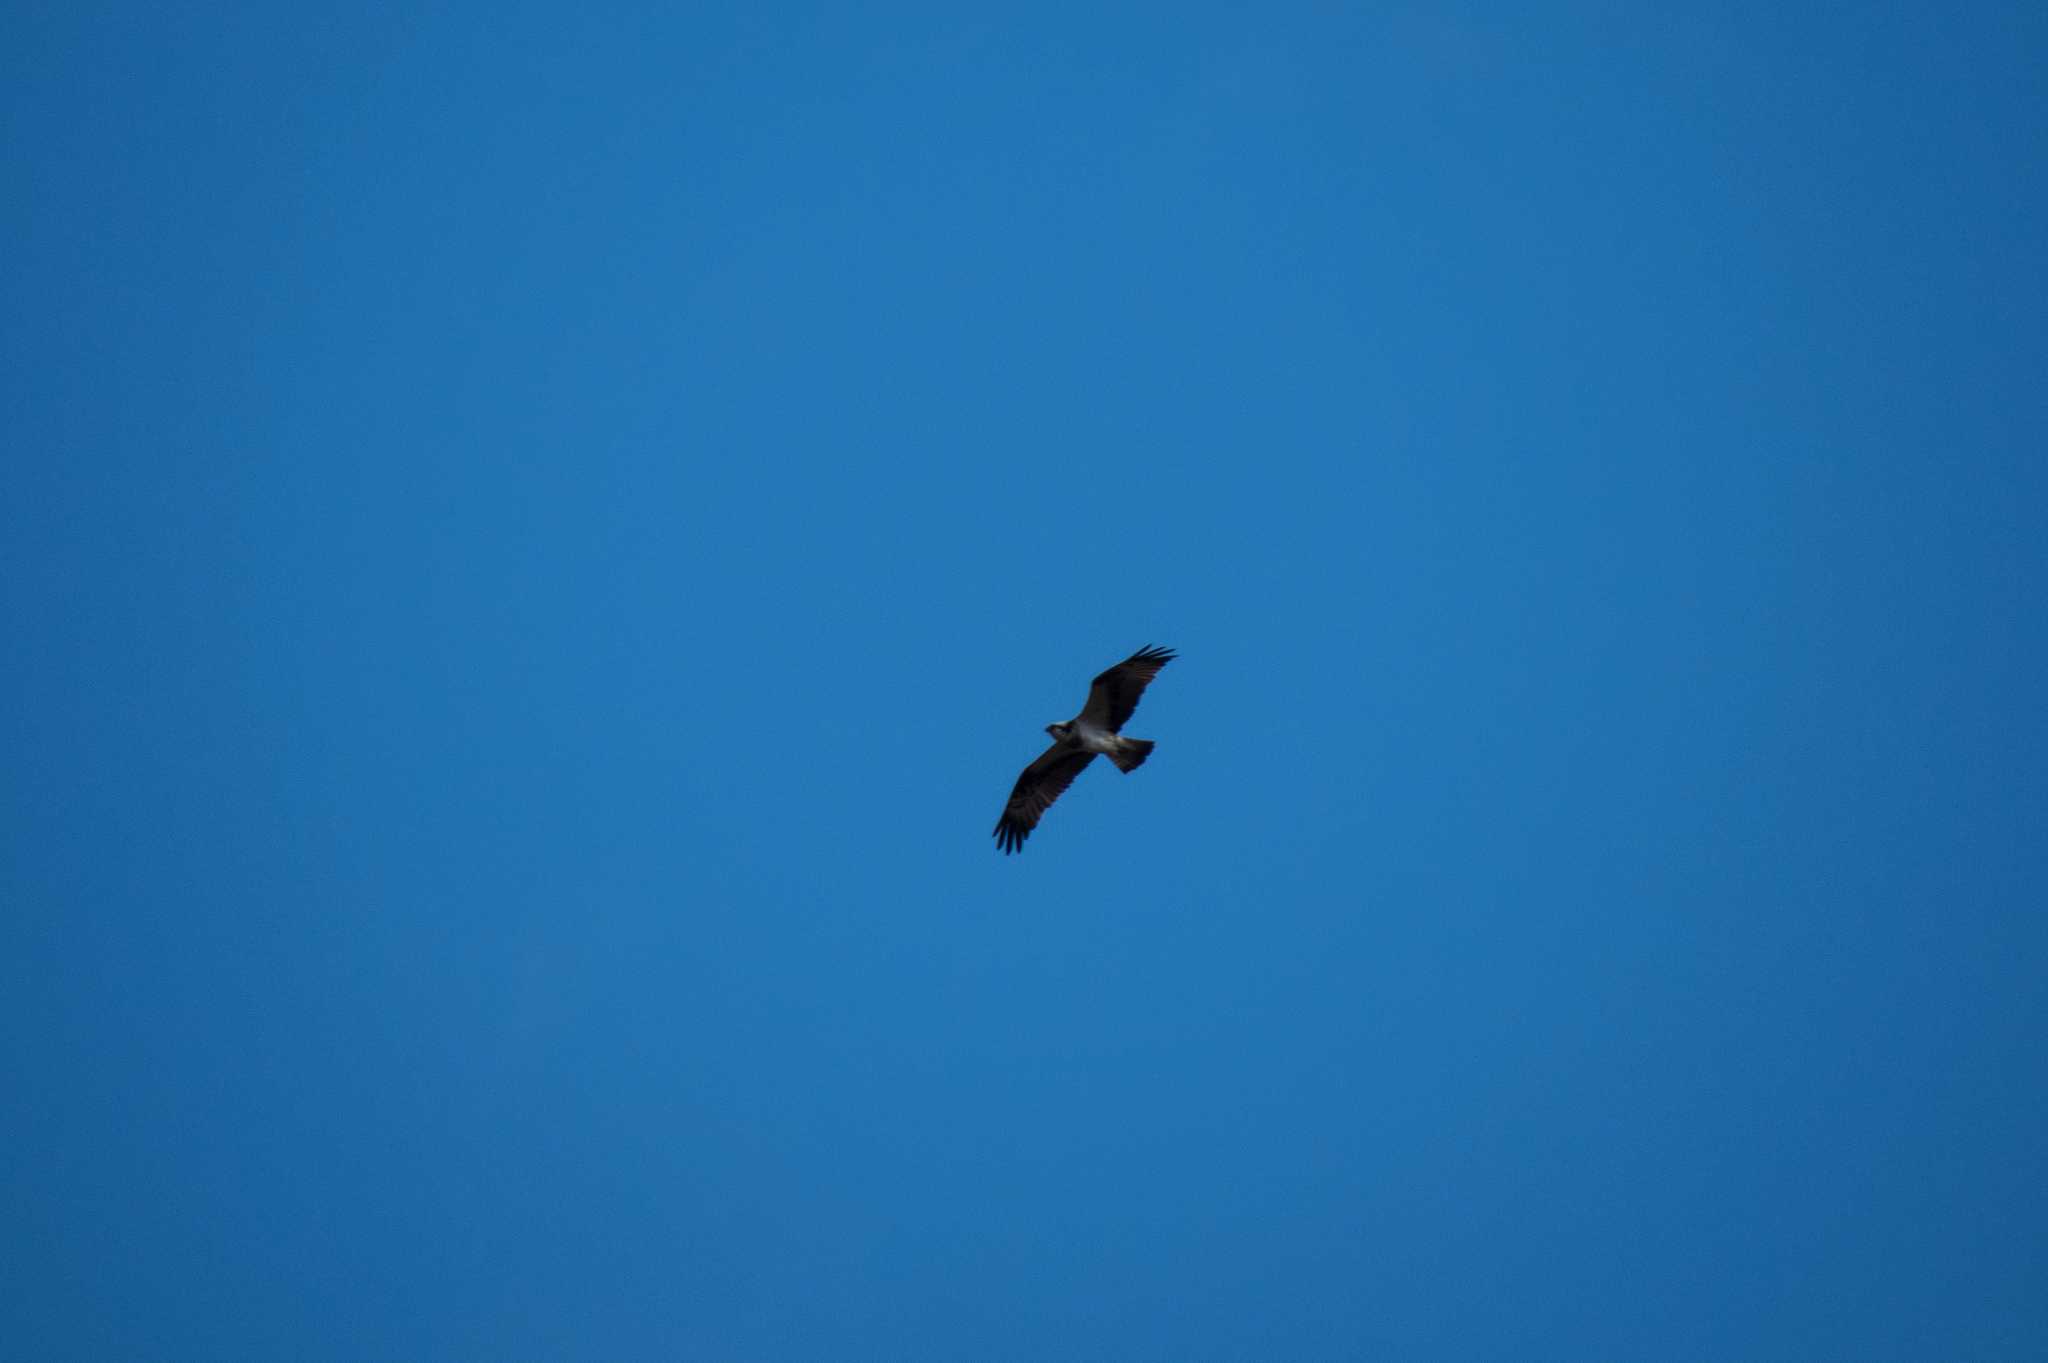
<point>1059,731</point>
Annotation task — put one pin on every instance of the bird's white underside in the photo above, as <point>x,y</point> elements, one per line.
<point>1093,739</point>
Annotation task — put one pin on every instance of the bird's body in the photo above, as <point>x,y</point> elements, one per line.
<point>1096,730</point>
<point>1087,737</point>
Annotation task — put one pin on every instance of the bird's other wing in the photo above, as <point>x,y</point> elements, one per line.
<point>1114,695</point>
<point>1041,784</point>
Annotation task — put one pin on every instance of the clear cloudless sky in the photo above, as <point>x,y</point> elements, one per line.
<point>536,539</point>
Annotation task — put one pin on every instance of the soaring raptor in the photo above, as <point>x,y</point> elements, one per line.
<point>1111,698</point>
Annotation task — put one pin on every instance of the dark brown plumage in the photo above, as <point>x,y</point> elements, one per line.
<point>1112,698</point>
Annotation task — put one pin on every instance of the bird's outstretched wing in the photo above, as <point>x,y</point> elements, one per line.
<point>1114,695</point>
<point>1041,784</point>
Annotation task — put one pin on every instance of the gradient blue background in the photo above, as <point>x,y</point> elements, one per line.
<point>536,541</point>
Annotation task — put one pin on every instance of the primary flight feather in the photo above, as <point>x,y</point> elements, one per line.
<point>1111,699</point>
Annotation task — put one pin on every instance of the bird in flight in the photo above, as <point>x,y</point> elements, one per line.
<point>1111,699</point>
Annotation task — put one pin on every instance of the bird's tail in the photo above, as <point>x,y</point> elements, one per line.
<point>1131,754</point>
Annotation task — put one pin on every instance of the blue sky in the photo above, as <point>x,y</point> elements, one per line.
<point>536,541</point>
